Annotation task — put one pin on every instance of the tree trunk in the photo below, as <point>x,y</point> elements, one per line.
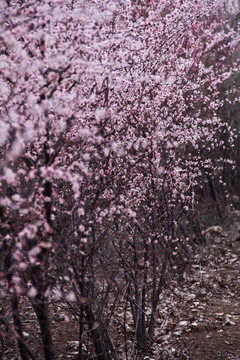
<point>156,297</point>
<point>40,306</point>
<point>97,335</point>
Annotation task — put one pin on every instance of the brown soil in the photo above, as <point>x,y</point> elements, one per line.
<point>216,319</point>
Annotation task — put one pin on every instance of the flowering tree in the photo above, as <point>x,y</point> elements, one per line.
<point>110,121</point>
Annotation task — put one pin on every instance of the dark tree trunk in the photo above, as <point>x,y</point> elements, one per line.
<point>40,306</point>
<point>97,335</point>
<point>155,300</point>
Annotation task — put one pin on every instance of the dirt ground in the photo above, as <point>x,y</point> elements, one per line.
<point>198,321</point>
<point>212,331</point>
